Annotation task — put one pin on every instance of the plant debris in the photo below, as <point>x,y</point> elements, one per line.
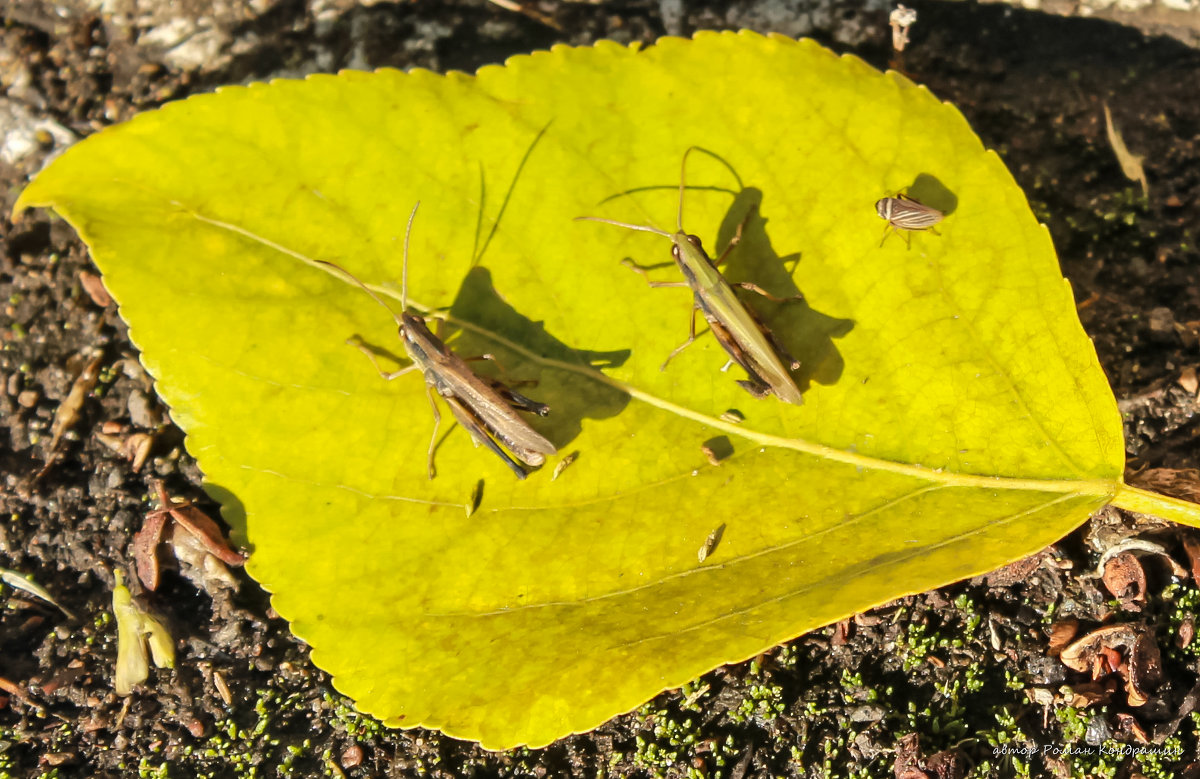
<point>1131,164</point>
<point>194,537</point>
<point>137,632</point>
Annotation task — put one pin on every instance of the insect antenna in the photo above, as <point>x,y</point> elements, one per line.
<point>682,187</point>
<point>404,274</point>
<point>626,225</point>
<point>339,270</point>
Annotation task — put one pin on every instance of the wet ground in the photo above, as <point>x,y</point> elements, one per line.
<point>932,685</point>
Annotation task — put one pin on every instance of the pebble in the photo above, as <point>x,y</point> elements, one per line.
<point>1162,324</point>
<point>141,410</point>
<point>28,398</point>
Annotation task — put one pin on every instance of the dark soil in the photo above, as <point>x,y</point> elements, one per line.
<point>931,683</point>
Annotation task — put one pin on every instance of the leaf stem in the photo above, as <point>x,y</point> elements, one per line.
<point>1161,506</point>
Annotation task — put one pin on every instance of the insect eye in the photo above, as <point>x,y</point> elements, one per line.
<point>881,207</point>
<point>694,240</point>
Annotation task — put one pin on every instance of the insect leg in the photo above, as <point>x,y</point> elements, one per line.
<point>793,363</point>
<point>639,269</point>
<point>736,239</point>
<point>755,288</point>
<point>519,401</point>
<point>685,344</point>
<point>358,344</point>
<point>437,421</point>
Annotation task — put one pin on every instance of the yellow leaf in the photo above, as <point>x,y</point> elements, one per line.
<point>955,417</point>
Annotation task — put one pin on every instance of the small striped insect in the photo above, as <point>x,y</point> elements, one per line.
<point>485,407</point>
<point>908,214</point>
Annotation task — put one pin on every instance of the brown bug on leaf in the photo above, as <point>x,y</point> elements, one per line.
<point>906,213</point>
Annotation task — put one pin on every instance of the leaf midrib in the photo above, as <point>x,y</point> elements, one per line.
<point>940,476</point>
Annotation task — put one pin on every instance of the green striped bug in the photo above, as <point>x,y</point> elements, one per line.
<point>486,408</point>
<point>747,340</point>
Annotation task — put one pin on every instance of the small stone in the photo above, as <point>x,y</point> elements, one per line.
<point>352,756</point>
<point>95,288</point>
<point>141,410</point>
<point>1162,324</point>
<point>28,398</point>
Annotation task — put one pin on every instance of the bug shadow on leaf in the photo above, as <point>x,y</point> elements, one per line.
<point>488,321</point>
<point>807,334</point>
<point>930,191</point>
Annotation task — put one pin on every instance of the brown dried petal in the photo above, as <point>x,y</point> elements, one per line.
<point>947,764</point>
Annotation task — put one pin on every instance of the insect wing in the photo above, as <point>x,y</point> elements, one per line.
<point>455,381</point>
<point>473,425</point>
<point>909,214</point>
<point>495,414</point>
<point>736,328</point>
<point>754,351</point>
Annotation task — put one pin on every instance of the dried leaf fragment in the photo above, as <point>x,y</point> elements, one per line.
<point>525,10</point>
<point>1084,654</point>
<point>16,580</point>
<point>1145,670</point>
<point>135,448</point>
<point>1125,578</point>
<point>901,20</point>
<point>1123,649</point>
<point>1188,380</point>
<point>1061,633</point>
<point>1081,696</point>
<point>95,289</point>
<point>710,543</point>
<point>1131,164</point>
<point>138,634</point>
<point>201,545</point>
<point>472,504</point>
<point>564,464</point>
<point>1180,482</point>
<point>68,411</point>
